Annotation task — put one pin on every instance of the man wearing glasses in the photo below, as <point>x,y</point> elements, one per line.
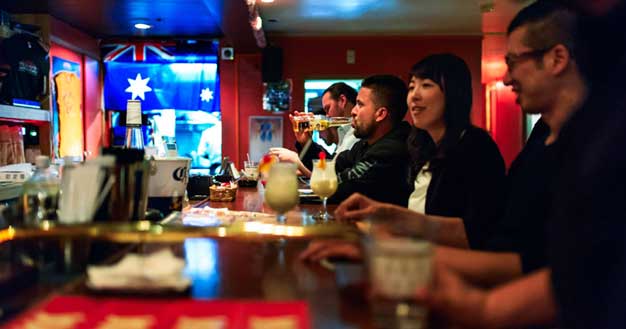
<point>546,79</point>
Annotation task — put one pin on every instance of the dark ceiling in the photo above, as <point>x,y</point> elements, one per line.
<point>191,19</point>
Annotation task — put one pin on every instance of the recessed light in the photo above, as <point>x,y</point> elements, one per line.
<point>143,26</point>
<point>267,1</point>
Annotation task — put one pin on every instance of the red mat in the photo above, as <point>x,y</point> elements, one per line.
<point>78,312</point>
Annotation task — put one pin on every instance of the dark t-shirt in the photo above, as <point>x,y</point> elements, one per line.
<point>522,229</point>
<point>588,226</point>
<point>29,64</point>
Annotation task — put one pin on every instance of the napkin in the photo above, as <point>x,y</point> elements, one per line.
<point>156,271</point>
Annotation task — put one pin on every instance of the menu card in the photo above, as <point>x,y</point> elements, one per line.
<point>78,312</point>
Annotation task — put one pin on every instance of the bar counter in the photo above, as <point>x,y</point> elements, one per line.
<point>262,267</point>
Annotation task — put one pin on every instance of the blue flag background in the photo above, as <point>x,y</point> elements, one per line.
<point>184,86</point>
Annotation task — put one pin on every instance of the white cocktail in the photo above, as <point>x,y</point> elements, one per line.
<point>281,189</point>
<point>324,182</point>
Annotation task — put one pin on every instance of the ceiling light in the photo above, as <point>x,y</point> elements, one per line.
<point>143,26</point>
<point>267,1</point>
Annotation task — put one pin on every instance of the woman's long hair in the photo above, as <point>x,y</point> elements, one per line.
<point>452,75</point>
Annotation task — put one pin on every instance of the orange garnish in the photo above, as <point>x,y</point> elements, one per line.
<point>322,163</point>
<point>266,163</point>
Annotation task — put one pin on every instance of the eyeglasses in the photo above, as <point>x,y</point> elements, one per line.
<point>512,60</point>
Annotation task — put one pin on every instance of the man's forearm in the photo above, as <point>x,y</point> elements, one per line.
<point>449,231</point>
<point>486,269</point>
<point>521,303</point>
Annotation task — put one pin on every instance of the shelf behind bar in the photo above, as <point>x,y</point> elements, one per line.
<point>23,114</point>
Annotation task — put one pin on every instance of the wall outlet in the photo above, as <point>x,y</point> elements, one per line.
<point>350,56</point>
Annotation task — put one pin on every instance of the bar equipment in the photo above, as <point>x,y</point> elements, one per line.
<point>127,200</point>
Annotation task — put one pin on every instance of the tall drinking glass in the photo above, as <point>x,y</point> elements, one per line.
<point>281,189</point>
<point>398,267</point>
<point>324,182</point>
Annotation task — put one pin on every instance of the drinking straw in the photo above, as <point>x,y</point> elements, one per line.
<point>305,148</point>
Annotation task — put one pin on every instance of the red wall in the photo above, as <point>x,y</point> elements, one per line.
<point>93,114</point>
<point>506,121</point>
<point>325,57</point>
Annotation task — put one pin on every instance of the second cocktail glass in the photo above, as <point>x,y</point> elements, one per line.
<point>324,182</point>
<point>281,189</point>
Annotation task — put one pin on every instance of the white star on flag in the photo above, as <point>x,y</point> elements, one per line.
<point>206,95</point>
<point>138,87</point>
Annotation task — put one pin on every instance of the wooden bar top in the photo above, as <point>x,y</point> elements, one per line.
<point>265,270</point>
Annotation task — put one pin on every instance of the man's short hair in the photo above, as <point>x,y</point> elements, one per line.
<point>389,91</point>
<point>549,23</point>
<point>341,88</point>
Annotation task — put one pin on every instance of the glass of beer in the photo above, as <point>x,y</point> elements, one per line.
<point>324,182</point>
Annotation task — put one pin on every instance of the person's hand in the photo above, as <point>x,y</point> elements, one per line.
<point>390,218</point>
<point>454,299</point>
<point>358,207</point>
<point>318,250</point>
<point>285,155</point>
<point>302,137</point>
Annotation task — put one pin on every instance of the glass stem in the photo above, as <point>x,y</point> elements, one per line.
<point>325,210</point>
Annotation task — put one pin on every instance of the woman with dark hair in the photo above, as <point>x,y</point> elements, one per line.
<point>456,169</point>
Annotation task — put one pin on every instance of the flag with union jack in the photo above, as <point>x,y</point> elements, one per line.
<point>161,75</point>
<point>137,52</point>
<point>160,52</point>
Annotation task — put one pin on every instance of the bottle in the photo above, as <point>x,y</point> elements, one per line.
<point>311,122</point>
<point>40,194</point>
<point>134,135</point>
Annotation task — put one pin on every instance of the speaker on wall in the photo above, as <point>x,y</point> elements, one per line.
<point>272,64</point>
<point>228,53</point>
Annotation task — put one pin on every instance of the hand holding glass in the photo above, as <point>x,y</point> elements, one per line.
<point>398,267</point>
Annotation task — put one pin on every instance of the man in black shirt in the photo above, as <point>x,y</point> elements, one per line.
<point>586,228</point>
<point>376,166</point>
<point>544,73</point>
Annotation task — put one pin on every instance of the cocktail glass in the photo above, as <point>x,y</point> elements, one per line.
<point>281,189</point>
<point>324,183</point>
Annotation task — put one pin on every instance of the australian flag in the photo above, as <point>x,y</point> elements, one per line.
<point>161,76</point>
